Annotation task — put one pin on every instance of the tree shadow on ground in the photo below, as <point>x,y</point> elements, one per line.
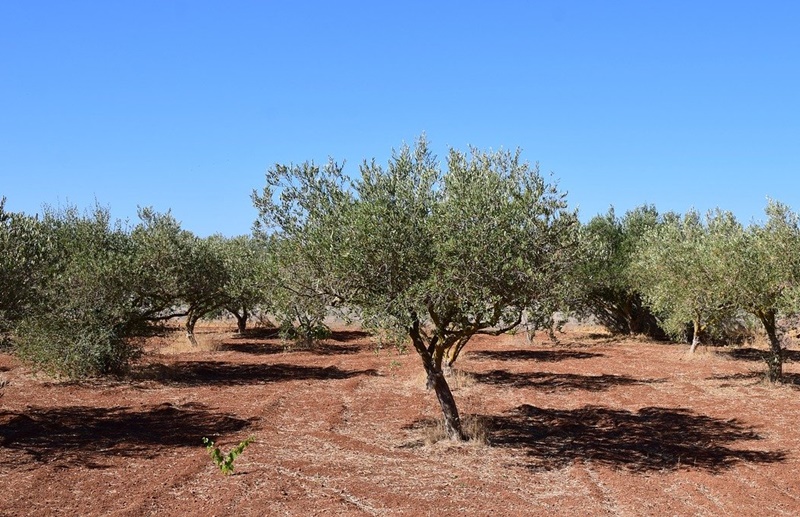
<point>545,356</point>
<point>758,377</point>
<point>251,348</point>
<point>601,335</point>
<point>78,435</point>
<point>272,333</point>
<point>205,373</point>
<point>754,354</point>
<point>348,335</point>
<point>258,333</point>
<point>559,381</point>
<point>652,439</point>
<point>257,348</point>
<point>334,349</point>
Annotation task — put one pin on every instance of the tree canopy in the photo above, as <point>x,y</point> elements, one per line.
<point>444,253</point>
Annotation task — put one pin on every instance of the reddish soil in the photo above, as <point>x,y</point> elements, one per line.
<point>588,426</point>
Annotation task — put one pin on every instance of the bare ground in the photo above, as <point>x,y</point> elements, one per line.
<point>588,426</point>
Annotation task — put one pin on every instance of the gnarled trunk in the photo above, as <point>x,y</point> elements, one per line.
<point>241,318</point>
<point>452,420</point>
<point>775,356</point>
<point>437,381</point>
<point>191,320</point>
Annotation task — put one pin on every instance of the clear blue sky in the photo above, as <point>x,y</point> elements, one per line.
<point>185,104</point>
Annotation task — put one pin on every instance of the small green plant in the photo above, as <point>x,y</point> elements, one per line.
<point>225,462</point>
<point>305,335</point>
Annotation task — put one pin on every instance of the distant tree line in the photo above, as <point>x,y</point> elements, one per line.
<point>481,244</point>
<point>701,278</point>
<point>77,290</point>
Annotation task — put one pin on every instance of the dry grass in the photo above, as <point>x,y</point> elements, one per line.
<point>475,429</point>
<point>299,344</point>
<point>459,379</point>
<point>176,342</point>
<point>587,329</point>
<point>701,353</point>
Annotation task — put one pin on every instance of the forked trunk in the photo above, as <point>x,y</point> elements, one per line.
<point>437,381</point>
<point>454,352</point>
<point>241,322</point>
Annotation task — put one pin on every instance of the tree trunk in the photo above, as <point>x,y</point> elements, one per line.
<point>241,322</point>
<point>630,317</point>
<point>437,381</point>
<point>191,320</point>
<point>695,337</point>
<point>454,351</point>
<point>452,420</point>
<point>775,356</point>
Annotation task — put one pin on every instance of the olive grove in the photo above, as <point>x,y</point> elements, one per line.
<point>439,252</point>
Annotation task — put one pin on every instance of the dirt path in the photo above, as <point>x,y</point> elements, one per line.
<point>590,426</point>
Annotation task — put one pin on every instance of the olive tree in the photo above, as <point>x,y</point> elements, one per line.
<point>85,310</point>
<point>309,255</point>
<point>180,274</point>
<point>301,300</point>
<point>766,269</point>
<point>250,276</point>
<point>202,281</point>
<point>682,269</point>
<point>609,245</point>
<point>444,254</point>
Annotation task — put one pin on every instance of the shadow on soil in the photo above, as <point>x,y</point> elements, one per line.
<point>205,373</point>
<point>272,333</point>
<point>758,377</point>
<point>260,348</point>
<point>348,335</point>
<point>258,333</point>
<point>652,439</point>
<point>78,435</point>
<point>559,381</point>
<point>754,354</point>
<point>251,347</point>
<point>333,349</point>
<point>249,343</point>
<point>545,356</point>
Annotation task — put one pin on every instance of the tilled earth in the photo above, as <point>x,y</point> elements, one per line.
<point>589,425</point>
